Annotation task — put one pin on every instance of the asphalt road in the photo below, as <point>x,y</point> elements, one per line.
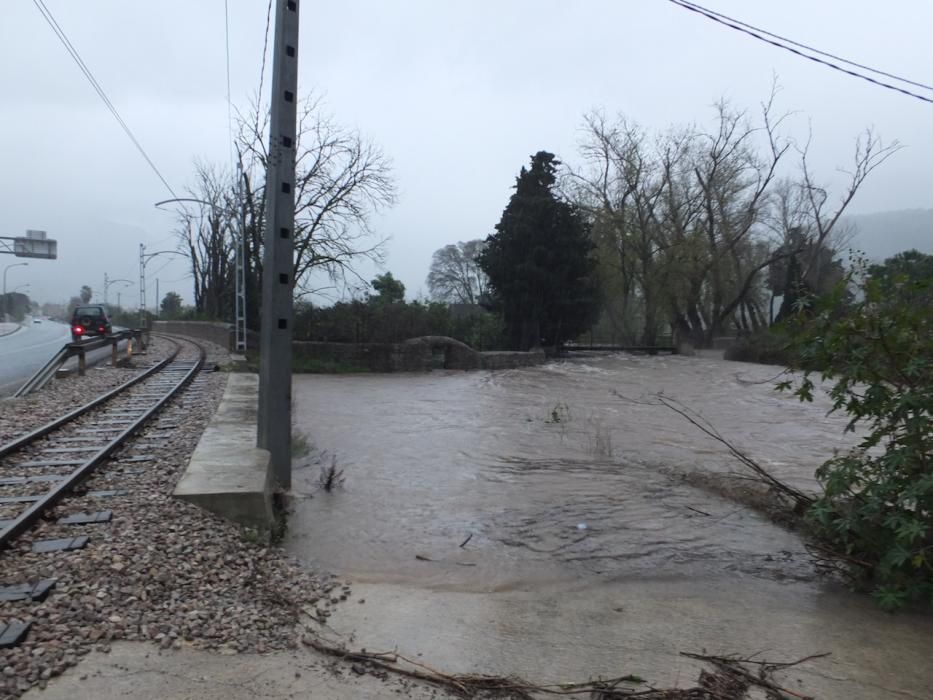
<point>26,350</point>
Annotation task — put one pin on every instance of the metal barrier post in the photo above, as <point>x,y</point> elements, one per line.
<point>82,362</point>
<point>113,352</point>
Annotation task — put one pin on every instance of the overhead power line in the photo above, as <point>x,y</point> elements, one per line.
<point>265,51</point>
<point>789,45</point>
<point>229,100</point>
<point>811,49</point>
<point>73,52</point>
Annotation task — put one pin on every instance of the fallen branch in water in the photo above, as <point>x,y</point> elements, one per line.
<point>801,500</point>
<point>764,678</point>
<point>729,681</point>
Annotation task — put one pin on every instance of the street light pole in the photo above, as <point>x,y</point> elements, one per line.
<point>144,259</point>
<point>108,282</point>
<point>5,270</point>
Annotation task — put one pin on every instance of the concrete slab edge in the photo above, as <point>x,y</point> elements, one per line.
<point>227,474</point>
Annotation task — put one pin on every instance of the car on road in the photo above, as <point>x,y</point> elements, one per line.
<point>90,320</point>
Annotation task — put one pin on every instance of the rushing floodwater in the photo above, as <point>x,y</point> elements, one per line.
<point>553,472</point>
<point>584,551</point>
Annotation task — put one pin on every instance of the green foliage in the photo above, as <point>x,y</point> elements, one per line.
<point>388,289</point>
<point>171,304</point>
<point>15,305</point>
<point>540,262</point>
<point>877,505</point>
<point>904,275</point>
<point>374,321</point>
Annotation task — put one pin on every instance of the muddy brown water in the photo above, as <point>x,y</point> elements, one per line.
<point>554,472</point>
<point>495,520</point>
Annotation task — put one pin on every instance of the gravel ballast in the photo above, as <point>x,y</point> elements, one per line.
<point>162,570</point>
<point>18,416</point>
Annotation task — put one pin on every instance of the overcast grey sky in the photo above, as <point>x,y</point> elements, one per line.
<point>458,94</point>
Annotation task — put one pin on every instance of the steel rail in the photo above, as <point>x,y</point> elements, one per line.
<point>28,517</point>
<point>22,441</point>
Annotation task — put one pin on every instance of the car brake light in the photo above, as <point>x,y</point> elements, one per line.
<point>101,329</point>
<point>78,329</point>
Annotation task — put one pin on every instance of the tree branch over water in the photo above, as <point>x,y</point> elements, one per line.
<point>801,500</point>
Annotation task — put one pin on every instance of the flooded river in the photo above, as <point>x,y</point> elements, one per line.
<point>501,500</point>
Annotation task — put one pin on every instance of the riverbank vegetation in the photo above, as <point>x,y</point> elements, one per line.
<point>692,230</point>
<point>871,345</point>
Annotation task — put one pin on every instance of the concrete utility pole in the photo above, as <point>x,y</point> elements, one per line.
<point>275,369</point>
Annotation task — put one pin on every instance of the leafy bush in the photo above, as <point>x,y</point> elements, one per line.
<point>372,321</point>
<point>876,511</point>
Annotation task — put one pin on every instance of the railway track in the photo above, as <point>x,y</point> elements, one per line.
<point>43,470</point>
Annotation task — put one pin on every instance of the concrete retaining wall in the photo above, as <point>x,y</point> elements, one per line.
<point>218,333</point>
<point>227,474</point>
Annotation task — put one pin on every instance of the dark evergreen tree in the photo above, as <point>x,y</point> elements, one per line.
<point>540,264</point>
<point>388,289</point>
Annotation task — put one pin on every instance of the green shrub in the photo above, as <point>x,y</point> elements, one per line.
<point>877,507</point>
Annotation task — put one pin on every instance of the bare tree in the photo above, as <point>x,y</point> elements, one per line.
<point>820,220</point>
<point>341,181</point>
<point>206,236</point>
<point>455,275</point>
<point>688,224</point>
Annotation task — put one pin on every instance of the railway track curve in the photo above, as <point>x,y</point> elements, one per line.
<point>42,470</point>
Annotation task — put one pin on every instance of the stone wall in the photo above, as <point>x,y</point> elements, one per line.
<point>415,355</point>
<point>511,360</point>
<point>373,357</point>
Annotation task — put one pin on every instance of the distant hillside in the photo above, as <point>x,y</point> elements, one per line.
<point>885,233</point>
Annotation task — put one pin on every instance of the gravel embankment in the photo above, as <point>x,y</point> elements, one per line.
<point>162,570</point>
<point>18,416</point>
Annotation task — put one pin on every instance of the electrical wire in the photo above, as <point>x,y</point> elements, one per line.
<point>265,50</point>
<point>811,49</point>
<point>167,263</point>
<point>73,52</point>
<point>762,35</point>
<point>229,102</point>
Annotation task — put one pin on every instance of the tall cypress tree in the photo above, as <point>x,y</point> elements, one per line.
<point>540,264</point>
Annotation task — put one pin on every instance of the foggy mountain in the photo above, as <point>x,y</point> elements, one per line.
<point>883,234</point>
